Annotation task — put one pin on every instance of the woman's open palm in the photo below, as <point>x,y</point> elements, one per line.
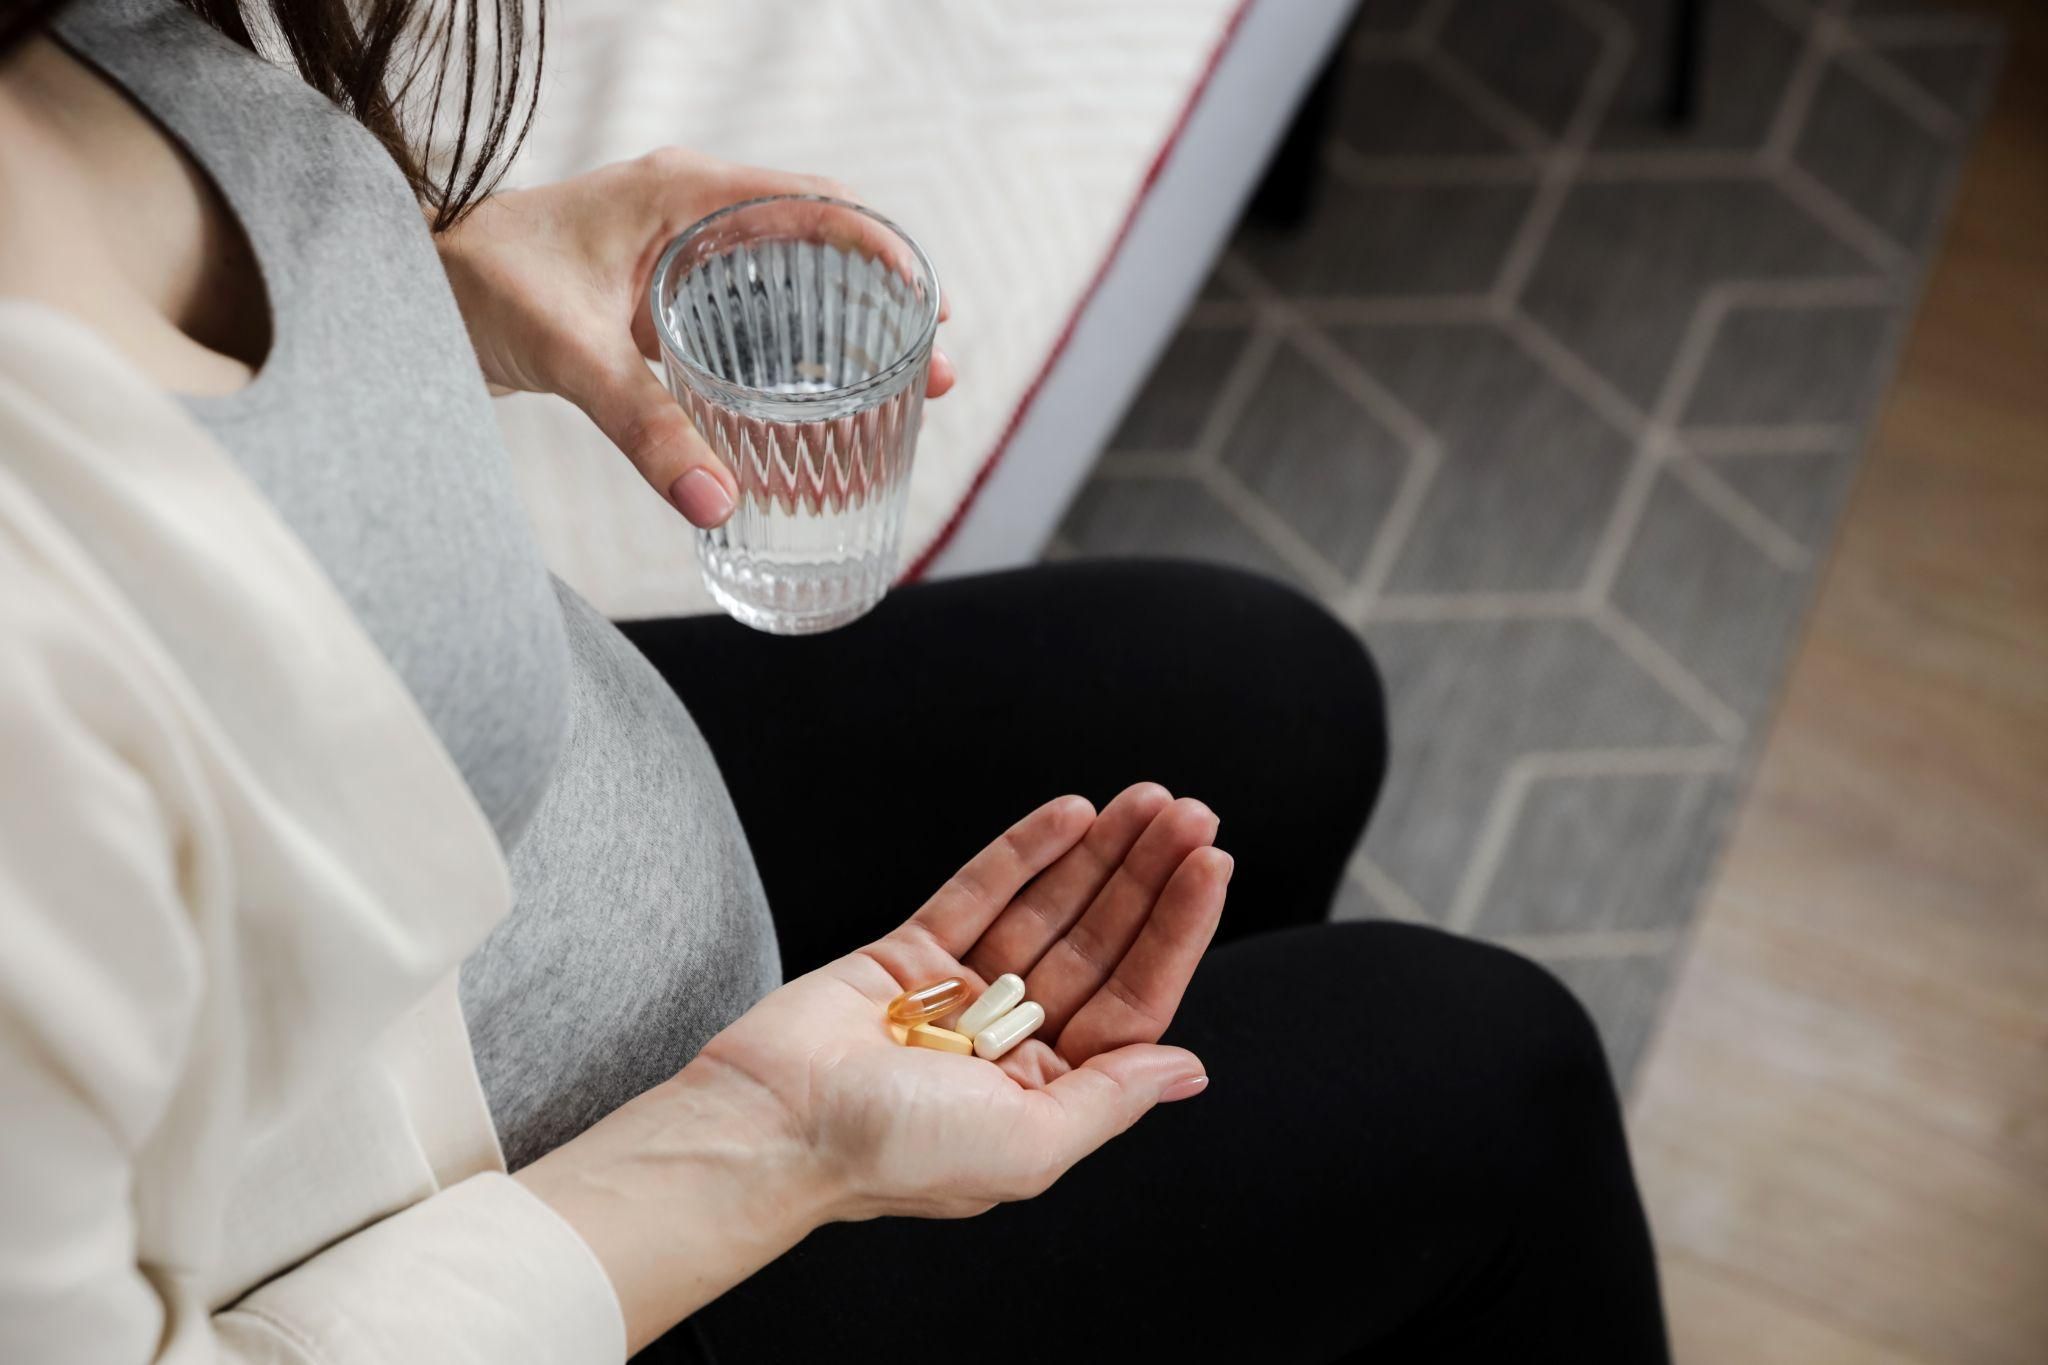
<point>1104,916</point>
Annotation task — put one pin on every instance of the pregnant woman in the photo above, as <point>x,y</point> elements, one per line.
<point>348,863</point>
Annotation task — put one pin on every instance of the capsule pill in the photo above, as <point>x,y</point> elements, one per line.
<point>928,1002</point>
<point>940,1039</point>
<point>1008,1031</point>
<point>998,1000</point>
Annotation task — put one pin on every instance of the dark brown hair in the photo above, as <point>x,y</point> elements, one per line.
<point>406,69</point>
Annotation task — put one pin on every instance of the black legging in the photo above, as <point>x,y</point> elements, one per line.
<point>1410,1148</point>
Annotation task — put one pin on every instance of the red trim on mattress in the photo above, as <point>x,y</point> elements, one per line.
<point>1152,174</point>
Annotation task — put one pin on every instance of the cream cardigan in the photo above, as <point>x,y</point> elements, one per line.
<point>238,1117</point>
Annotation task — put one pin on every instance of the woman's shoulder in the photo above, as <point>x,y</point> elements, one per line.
<point>79,426</point>
<point>168,629</point>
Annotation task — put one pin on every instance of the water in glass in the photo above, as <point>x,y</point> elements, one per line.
<point>800,352</point>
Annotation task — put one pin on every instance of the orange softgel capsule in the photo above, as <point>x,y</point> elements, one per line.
<point>927,1003</point>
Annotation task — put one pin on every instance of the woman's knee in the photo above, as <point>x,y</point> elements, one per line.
<point>1554,1089</point>
<point>1556,1038</point>
<point>1276,660</point>
<point>1523,1046</point>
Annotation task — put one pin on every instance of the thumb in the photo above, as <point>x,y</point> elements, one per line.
<point>641,418</point>
<point>1113,1090</point>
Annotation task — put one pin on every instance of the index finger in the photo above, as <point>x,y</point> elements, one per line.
<point>639,415</point>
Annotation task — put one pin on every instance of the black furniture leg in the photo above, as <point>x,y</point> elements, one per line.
<point>1287,192</point>
<point>1687,51</point>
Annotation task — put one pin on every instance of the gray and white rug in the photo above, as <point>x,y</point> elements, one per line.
<point>1560,408</point>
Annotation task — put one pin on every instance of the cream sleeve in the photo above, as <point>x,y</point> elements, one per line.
<point>116,1141</point>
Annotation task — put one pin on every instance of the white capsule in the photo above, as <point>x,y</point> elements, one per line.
<point>998,1000</point>
<point>1008,1031</point>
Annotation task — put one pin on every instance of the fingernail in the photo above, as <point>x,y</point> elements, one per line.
<point>1184,1089</point>
<point>1229,867</point>
<point>701,498</point>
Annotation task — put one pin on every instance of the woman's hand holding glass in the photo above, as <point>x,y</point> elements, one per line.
<point>552,282</point>
<point>806,1111</point>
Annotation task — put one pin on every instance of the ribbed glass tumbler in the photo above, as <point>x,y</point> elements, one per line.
<point>797,333</point>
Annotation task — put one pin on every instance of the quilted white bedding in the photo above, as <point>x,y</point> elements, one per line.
<point>1012,139</point>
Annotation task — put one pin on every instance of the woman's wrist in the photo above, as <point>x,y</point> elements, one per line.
<point>686,1191</point>
<point>476,280</point>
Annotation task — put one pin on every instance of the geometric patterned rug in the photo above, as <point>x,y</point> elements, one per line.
<point>1559,408</point>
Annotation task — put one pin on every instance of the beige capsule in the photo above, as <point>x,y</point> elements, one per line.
<point>1010,1030</point>
<point>999,999</point>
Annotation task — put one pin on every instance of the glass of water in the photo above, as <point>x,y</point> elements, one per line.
<point>796,331</point>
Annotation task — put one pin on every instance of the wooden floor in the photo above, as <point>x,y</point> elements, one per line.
<point>1843,1126</point>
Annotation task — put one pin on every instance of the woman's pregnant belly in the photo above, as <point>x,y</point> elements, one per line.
<point>639,927</point>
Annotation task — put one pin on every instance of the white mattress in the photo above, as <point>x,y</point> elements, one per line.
<point>1173,233</point>
<point>1016,142</point>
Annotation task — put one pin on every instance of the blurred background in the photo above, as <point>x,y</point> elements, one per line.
<point>1659,386</point>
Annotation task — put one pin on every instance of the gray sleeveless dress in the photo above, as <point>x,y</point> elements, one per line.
<point>640,926</point>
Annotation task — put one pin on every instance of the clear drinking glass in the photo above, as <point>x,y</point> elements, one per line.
<point>796,331</point>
